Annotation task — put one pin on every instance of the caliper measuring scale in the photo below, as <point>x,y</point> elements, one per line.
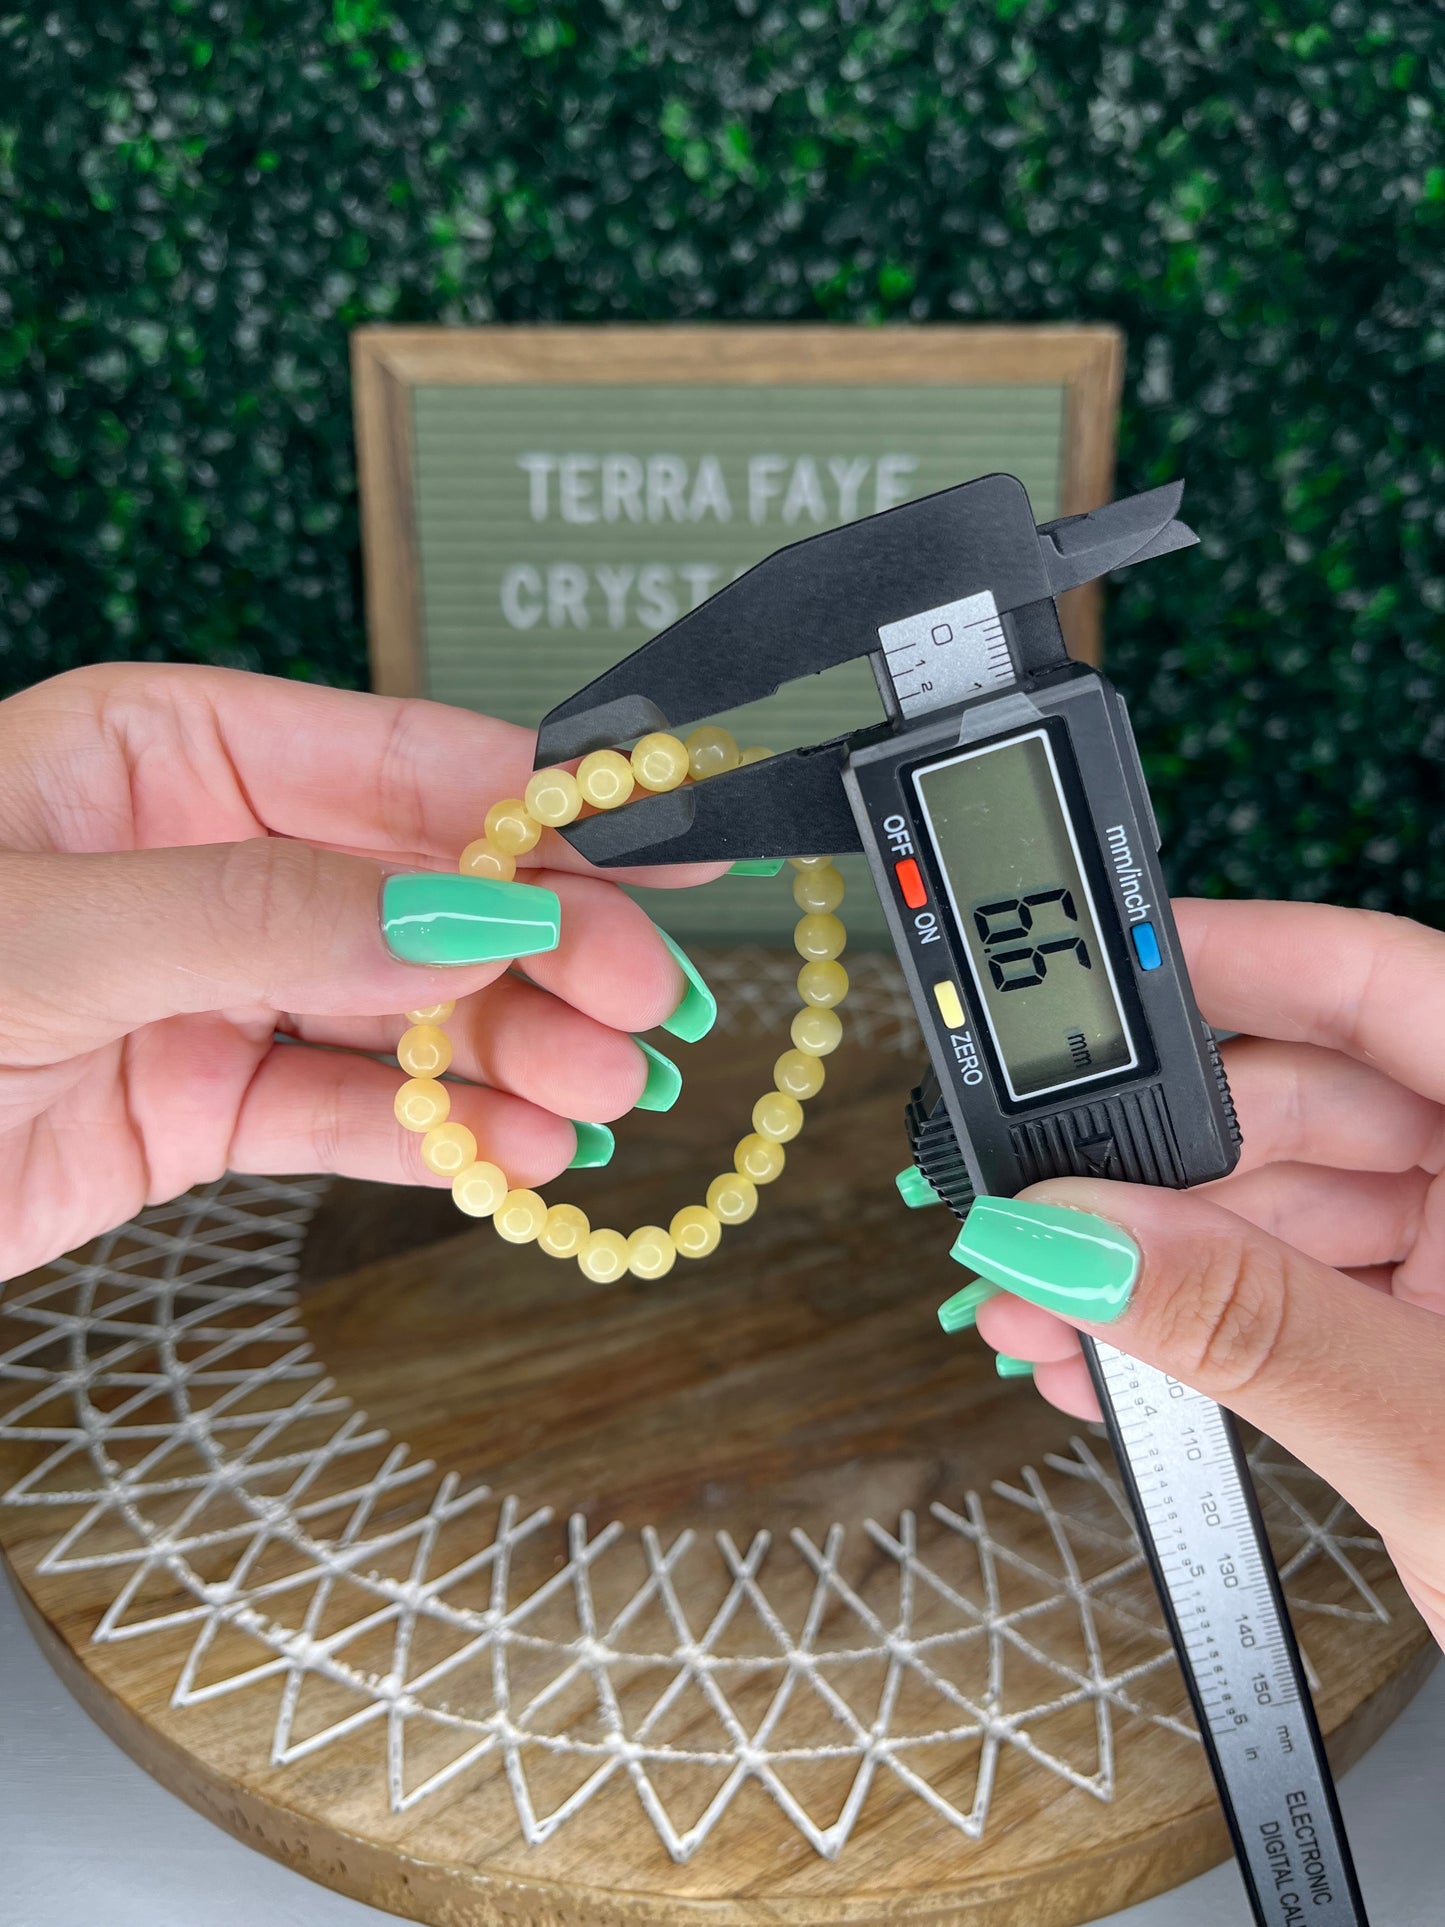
<point>1201,1532</point>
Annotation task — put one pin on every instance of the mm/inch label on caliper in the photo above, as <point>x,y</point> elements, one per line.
<point>1206,1545</point>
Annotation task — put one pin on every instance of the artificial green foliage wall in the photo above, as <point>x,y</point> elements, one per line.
<point>198,198</point>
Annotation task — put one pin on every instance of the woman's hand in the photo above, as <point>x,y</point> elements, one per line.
<point>1306,1290</point>
<point>191,862</point>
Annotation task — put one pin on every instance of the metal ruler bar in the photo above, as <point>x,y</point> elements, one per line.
<point>945,655</point>
<point>1200,1527</point>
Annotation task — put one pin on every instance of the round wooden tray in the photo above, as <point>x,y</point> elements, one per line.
<point>489,1595</point>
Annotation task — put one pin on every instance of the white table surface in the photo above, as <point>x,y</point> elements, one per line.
<point>87,1839</point>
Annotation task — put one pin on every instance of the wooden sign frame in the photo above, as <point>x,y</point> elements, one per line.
<point>388,363</point>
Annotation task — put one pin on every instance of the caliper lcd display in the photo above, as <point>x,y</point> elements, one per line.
<point>1006,846</point>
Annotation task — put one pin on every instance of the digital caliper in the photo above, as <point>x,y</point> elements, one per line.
<point>1004,814</point>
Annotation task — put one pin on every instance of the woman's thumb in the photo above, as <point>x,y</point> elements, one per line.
<point>92,947</point>
<point>1344,1376</point>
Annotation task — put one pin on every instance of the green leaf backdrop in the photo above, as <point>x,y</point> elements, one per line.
<point>199,198</point>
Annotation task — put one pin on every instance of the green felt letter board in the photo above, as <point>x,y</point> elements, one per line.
<point>557,524</point>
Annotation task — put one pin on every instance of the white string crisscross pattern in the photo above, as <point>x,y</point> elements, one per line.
<point>190,1448</point>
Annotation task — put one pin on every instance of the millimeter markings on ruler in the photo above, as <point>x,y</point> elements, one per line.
<point>1202,1534</point>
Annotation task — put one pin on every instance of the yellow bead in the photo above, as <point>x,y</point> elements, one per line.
<point>711,751</point>
<point>818,889</point>
<point>695,1231</point>
<point>650,1252</point>
<point>565,1231</point>
<point>510,829</point>
<point>732,1198</point>
<point>753,755</point>
<point>479,1189</point>
<point>421,1102</point>
<point>759,1158</point>
<point>433,1014</point>
<point>424,1050</point>
<point>519,1217</point>
<point>605,779</point>
<point>448,1149</point>
<point>809,862</point>
<point>798,1073</point>
<point>819,938</point>
<point>660,762</point>
<point>482,859</point>
<point>778,1116</point>
<point>818,1032</point>
<point>822,984</point>
<point>603,1257</point>
<point>553,798</point>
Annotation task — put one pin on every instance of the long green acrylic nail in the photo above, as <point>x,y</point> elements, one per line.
<point>430,918</point>
<point>595,1145</point>
<point>1008,1367</point>
<point>960,1312</point>
<point>664,1079</point>
<point>697,1013</point>
<point>914,1188</point>
<point>1066,1261</point>
<point>757,866</point>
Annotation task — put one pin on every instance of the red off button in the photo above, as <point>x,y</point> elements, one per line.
<point>910,882</point>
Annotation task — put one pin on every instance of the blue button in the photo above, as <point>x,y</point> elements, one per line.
<point>1146,946</point>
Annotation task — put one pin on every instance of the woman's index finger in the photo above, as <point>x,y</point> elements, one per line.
<point>380,773</point>
<point>1358,981</point>
<point>397,778</point>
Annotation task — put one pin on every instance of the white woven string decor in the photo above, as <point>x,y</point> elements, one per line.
<point>184,1438</point>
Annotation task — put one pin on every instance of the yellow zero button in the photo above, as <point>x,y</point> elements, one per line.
<point>945,995</point>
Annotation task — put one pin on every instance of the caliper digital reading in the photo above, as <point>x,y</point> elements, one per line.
<point>1006,821</point>
<point>1012,843</point>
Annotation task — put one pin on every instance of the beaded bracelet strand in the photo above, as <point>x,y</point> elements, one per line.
<point>606,780</point>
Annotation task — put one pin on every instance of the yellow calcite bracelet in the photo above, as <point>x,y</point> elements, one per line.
<point>606,780</point>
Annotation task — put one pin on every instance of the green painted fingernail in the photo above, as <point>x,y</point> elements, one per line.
<point>757,866</point>
<point>595,1145</point>
<point>697,1013</point>
<point>1007,1367</point>
<point>914,1188</point>
<point>1066,1261</point>
<point>960,1312</point>
<point>430,918</point>
<point>664,1079</point>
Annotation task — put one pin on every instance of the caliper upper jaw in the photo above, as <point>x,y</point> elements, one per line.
<point>971,554</point>
<point>1081,548</point>
<point>808,607</point>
